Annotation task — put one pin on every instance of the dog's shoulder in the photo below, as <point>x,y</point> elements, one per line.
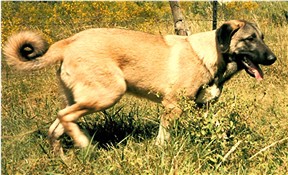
<point>171,40</point>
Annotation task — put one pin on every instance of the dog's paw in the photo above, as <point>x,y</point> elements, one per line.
<point>159,141</point>
<point>162,137</point>
<point>57,149</point>
<point>82,141</point>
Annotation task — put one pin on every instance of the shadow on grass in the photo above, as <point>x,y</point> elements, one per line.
<point>115,127</point>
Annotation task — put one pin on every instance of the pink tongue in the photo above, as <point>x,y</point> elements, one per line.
<point>253,69</point>
<point>258,74</point>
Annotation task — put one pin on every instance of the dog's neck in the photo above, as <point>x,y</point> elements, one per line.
<point>211,58</point>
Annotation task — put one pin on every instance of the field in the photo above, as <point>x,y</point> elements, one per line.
<point>245,132</point>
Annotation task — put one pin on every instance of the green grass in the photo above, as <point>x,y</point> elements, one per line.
<point>249,117</point>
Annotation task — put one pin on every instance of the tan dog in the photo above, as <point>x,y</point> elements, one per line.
<point>99,65</point>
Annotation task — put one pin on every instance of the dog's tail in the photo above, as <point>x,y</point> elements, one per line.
<point>29,51</point>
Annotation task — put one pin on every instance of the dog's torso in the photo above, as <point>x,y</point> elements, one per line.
<point>155,67</point>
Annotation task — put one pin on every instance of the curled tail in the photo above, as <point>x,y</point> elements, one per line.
<point>29,51</point>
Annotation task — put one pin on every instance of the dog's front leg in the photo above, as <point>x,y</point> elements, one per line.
<point>171,112</point>
<point>208,94</point>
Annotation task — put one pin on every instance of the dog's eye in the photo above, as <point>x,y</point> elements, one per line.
<point>251,38</point>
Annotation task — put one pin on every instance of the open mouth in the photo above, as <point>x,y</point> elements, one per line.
<point>251,68</point>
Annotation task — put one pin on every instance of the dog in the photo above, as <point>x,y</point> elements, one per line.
<point>98,66</point>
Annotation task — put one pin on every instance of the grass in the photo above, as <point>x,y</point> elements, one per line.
<point>248,134</point>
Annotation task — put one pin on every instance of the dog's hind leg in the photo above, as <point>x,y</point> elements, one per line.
<point>71,113</point>
<point>88,99</point>
<point>55,131</point>
<point>68,117</point>
<point>66,123</point>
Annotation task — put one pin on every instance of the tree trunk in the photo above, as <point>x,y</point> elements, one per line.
<point>178,18</point>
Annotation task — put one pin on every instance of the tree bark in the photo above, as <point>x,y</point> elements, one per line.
<point>178,18</point>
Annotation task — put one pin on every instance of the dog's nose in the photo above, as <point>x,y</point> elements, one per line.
<point>271,58</point>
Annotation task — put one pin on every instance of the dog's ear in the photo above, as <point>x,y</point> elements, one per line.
<point>225,33</point>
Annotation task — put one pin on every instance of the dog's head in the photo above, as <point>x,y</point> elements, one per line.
<point>242,42</point>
